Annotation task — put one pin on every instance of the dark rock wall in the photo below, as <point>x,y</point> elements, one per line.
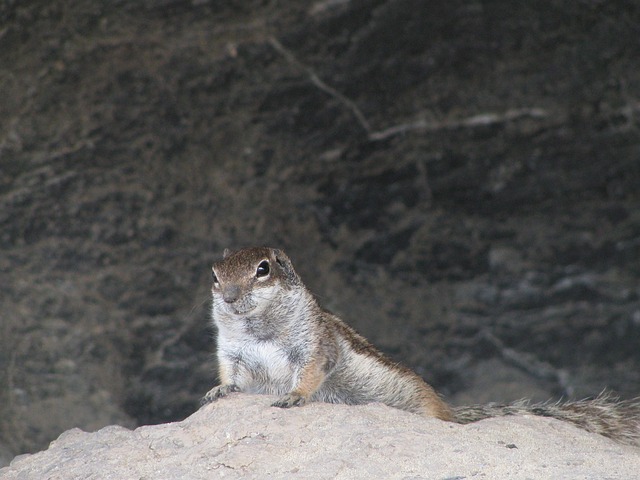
<point>458,180</point>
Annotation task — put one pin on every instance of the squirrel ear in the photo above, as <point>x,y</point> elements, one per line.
<point>226,253</point>
<point>280,256</point>
<point>286,265</point>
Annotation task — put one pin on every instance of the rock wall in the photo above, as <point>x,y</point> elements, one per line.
<point>458,180</point>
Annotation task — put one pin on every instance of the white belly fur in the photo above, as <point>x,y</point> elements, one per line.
<point>263,368</point>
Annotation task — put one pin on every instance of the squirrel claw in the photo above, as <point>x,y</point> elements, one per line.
<point>290,400</point>
<point>218,392</point>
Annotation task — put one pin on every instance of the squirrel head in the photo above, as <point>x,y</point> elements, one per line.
<point>245,278</point>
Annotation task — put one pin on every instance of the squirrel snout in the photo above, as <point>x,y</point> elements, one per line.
<point>231,293</point>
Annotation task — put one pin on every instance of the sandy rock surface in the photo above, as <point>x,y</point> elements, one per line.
<point>243,437</point>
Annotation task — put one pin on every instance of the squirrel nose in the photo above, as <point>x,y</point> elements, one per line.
<point>231,293</point>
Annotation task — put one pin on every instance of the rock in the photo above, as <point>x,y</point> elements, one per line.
<point>243,437</point>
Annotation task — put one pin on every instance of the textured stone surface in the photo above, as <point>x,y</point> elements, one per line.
<point>242,437</point>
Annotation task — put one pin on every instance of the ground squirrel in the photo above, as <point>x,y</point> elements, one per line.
<point>274,338</point>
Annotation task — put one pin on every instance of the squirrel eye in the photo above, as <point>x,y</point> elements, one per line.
<point>263,269</point>
<point>213,275</point>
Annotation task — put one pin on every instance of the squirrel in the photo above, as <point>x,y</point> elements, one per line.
<point>274,338</point>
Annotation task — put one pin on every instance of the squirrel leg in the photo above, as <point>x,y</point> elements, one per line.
<point>227,385</point>
<point>311,377</point>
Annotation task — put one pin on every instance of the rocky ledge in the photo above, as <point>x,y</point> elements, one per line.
<point>244,437</point>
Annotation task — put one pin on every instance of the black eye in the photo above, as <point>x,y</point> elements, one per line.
<point>213,275</point>
<point>263,269</point>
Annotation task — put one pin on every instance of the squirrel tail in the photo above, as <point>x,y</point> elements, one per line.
<point>606,415</point>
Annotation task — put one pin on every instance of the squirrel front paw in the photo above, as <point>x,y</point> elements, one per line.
<point>290,400</point>
<point>218,392</point>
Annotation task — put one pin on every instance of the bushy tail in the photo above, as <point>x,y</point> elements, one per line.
<point>606,414</point>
